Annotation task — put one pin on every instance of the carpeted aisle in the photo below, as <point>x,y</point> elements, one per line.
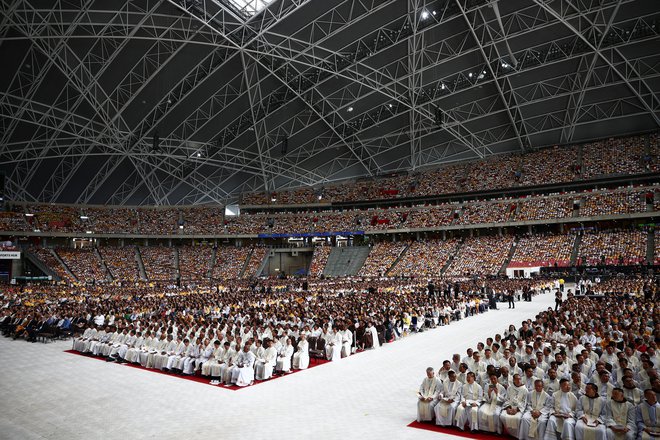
<point>199,379</point>
<point>456,432</point>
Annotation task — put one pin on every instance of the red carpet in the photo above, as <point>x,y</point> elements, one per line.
<point>312,363</point>
<point>455,431</point>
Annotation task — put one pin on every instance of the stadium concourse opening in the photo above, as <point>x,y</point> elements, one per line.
<point>361,216</point>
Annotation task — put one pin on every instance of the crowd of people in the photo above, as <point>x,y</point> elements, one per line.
<point>480,256</point>
<point>229,262</point>
<point>542,208</point>
<point>159,263</point>
<point>613,203</point>
<point>381,258</point>
<point>203,330</point>
<point>614,156</point>
<point>211,221</point>
<point>195,262</point>
<point>319,260</point>
<point>481,213</point>
<point>624,247</point>
<point>543,250</point>
<point>586,370</point>
<point>425,259</point>
<point>122,262</point>
<point>85,264</point>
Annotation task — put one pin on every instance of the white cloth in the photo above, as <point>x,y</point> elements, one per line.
<point>429,389</point>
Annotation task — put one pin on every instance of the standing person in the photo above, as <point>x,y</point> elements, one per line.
<point>509,297</point>
<point>558,297</point>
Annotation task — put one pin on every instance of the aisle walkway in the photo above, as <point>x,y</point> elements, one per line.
<point>51,394</point>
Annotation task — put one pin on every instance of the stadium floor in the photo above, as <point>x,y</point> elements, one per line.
<point>47,393</point>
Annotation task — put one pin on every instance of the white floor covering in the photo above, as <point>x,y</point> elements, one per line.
<point>47,393</point>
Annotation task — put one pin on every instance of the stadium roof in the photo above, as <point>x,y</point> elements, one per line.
<point>194,101</point>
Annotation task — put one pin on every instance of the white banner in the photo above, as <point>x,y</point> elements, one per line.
<point>10,255</point>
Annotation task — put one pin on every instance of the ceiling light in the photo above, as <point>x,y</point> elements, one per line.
<point>389,105</point>
<point>199,154</point>
<point>470,74</point>
<point>442,86</point>
<point>425,15</point>
<point>504,64</point>
<point>350,109</point>
<point>433,12</point>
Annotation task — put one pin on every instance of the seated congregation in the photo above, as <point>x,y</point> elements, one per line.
<point>585,371</point>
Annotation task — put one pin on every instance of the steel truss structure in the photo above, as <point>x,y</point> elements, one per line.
<point>196,101</point>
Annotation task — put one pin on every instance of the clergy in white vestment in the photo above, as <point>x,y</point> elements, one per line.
<point>243,374</point>
<point>134,337</point>
<point>174,358</point>
<point>605,387</point>
<point>630,392</point>
<point>448,400</point>
<point>535,418</point>
<point>647,417</point>
<point>489,412</point>
<point>427,396</point>
<point>443,372</point>
<point>130,353</point>
<point>551,383</point>
<point>206,352</point>
<point>590,415</point>
<point>158,348</point>
<point>283,362</point>
<point>561,423</point>
<point>88,335</point>
<point>346,342</point>
<point>620,417</point>
<point>333,345</point>
<point>301,356</point>
<point>160,359</point>
<point>264,367</point>
<point>188,364</point>
<point>227,368</point>
<point>214,359</point>
<point>468,411</point>
<point>514,406</point>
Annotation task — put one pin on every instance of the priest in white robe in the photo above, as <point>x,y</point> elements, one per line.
<point>535,418</point>
<point>333,345</point>
<point>346,342</point>
<point>514,406</point>
<point>647,417</point>
<point>448,401</point>
<point>561,424</point>
<point>468,411</point>
<point>243,374</point>
<point>301,356</point>
<point>489,412</point>
<point>590,415</point>
<point>283,362</point>
<point>264,368</point>
<point>620,417</point>
<point>427,396</point>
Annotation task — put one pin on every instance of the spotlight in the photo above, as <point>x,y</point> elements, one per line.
<point>425,15</point>
<point>350,109</point>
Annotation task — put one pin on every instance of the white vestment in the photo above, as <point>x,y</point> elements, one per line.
<point>444,409</point>
<point>429,389</point>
